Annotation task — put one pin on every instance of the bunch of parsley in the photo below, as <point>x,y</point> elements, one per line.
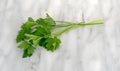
<point>43,32</point>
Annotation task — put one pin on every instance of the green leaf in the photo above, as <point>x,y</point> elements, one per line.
<point>20,36</point>
<point>25,28</point>
<point>42,42</point>
<point>47,23</point>
<point>24,45</point>
<point>50,21</point>
<point>34,38</point>
<point>41,31</point>
<point>28,49</point>
<point>52,43</point>
<point>30,19</point>
<point>31,36</point>
<point>28,52</point>
<point>28,25</point>
<point>36,41</point>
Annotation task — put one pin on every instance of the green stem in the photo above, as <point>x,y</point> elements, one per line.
<point>63,21</point>
<point>70,25</point>
<point>63,31</point>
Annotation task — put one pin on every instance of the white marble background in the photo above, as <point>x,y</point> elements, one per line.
<point>92,48</point>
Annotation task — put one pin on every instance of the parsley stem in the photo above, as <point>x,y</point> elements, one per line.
<point>63,21</point>
<point>63,31</point>
<point>70,25</point>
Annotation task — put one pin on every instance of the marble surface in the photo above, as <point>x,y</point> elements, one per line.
<point>92,48</point>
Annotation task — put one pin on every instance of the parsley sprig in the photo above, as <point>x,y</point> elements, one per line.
<point>45,32</point>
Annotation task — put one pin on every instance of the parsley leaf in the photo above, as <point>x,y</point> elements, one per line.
<point>25,28</point>
<point>35,39</point>
<point>28,49</point>
<point>52,44</point>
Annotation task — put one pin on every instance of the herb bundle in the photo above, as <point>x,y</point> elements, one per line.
<point>43,32</point>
